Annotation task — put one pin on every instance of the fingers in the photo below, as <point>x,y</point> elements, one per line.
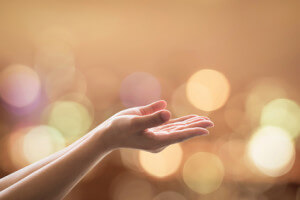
<point>153,107</point>
<point>202,123</point>
<point>181,135</point>
<point>151,120</point>
<point>181,118</point>
<point>169,126</point>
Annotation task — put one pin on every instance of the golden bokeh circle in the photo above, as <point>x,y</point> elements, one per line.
<point>208,89</point>
<point>203,172</point>
<point>162,164</point>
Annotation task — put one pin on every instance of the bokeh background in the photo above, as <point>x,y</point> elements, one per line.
<point>66,66</point>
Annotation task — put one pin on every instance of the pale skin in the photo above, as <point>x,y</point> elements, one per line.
<point>147,128</point>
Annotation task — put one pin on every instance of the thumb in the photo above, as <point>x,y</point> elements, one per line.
<point>152,120</point>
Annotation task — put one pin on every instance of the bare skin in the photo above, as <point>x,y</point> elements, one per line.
<point>147,127</point>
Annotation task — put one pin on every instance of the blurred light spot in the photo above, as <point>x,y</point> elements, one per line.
<point>40,142</point>
<point>139,89</point>
<point>207,89</point>
<point>162,164</point>
<point>15,147</point>
<point>262,92</point>
<point>129,187</point>
<point>130,158</point>
<point>283,113</point>
<point>169,195</point>
<point>203,172</point>
<point>71,118</point>
<point>19,85</point>
<point>180,104</point>
<point>272,151</point>
<point>81,99</point>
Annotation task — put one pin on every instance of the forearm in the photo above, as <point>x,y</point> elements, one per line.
<point>57,178</point>
<point>10,179</point>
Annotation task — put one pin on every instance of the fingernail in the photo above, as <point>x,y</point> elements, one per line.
<point>165,115</point>
<point>206,133</point>
<point>211,125</point>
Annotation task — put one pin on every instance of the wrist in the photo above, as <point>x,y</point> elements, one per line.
<point>104,138</point>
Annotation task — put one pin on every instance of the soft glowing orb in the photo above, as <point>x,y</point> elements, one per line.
<point>180,104</point>
<point>262,92</point>
<point>41,141</point>
<point>162,164</point>
<point>272,151</point>
<point>19,85</point>
<point>129,187</point>
<point>15,147</point>
<point>130,158</point>
<point>203,172</point>
<point>207,89</point>
<point>71,118</point>
<point>283,113</point>
<point>139,89</point>
<point>169,195</point>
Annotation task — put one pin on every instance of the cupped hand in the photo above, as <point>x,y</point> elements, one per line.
<point>150,128</point>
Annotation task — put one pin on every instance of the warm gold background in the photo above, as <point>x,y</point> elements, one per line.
<point>100,43</point>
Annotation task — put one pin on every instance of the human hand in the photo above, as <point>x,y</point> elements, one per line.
<point>150,128</point>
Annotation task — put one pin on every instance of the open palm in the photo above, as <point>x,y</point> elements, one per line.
<point>149,128</point>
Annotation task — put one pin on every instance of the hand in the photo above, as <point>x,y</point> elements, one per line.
<point>149,128</point>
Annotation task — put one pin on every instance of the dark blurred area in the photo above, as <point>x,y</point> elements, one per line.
<point>66,66</point>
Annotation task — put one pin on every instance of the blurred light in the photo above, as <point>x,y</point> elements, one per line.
<point>139,89</point>
<point>40,142</point>
<point>162,164</point>
<point>80,98</point>
<point>207,89</point>
<point>262,92</point>
<point>180,104</point>
<point>203,172</point>
<point>129,187</point>
<point>15,147</point>
<point>169,195</point>
<point>71,118</point>
<point>130,158</point>
<point>283,113</point>
<point>19,85</point>
<point>272,151</point>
